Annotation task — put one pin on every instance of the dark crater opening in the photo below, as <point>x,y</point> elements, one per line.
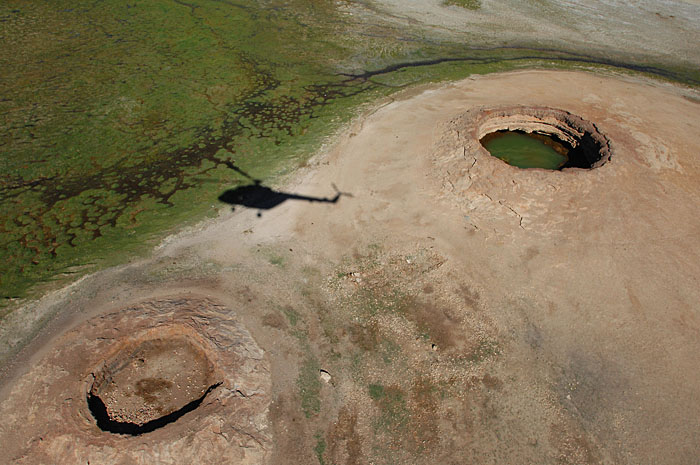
<point>98,409</point>
<point>539,137</point>
<point>149,384</point>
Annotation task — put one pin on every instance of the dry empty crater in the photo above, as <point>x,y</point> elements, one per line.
<point>541,137</point>
<point>182,369</point>
<point>150,383</point>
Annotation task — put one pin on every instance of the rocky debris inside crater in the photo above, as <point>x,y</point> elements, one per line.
<point>152,379</point>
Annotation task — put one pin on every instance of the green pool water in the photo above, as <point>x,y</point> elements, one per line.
<point>526,150</point>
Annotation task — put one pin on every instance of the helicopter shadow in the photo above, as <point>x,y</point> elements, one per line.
<point>261,197</point>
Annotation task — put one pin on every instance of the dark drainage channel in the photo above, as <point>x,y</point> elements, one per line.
<point>105,422</point>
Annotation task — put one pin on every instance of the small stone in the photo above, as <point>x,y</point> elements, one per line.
<point>325,376</point>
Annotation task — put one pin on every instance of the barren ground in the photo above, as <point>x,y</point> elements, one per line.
<point>465,310</point>
<point>612,28</point>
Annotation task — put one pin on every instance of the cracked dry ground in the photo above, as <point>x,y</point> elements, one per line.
<point>465,310</point>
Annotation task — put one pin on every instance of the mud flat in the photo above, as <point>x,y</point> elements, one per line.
<point>617,28</point>
<point>459,309</point>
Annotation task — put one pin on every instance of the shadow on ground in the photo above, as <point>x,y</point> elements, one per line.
<point>264,198</point>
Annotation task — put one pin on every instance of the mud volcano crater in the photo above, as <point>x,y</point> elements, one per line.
<point>149,384</point>
<point>181,368</point>
<point>541,137</point>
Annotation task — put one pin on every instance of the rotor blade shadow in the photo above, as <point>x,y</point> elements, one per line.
<point>264,198</point>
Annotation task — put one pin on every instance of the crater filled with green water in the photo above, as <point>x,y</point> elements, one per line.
<point>527,150</point>
<point>537,137</point>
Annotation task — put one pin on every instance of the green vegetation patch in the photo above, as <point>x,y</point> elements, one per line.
<point>291,314</point>
<point>394,414</point>
<point>309,385</point>
<point>468,4</point>
<point>320,448</point>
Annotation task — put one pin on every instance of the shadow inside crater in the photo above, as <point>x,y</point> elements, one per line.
<point>106,423</point>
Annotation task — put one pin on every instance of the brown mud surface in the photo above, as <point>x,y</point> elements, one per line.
<point>152,379</point>
<point>462,310</point>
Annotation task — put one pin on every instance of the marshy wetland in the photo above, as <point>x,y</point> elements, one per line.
<point>384,290</point>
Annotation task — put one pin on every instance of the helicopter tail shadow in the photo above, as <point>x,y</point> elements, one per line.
<point>261,197</point>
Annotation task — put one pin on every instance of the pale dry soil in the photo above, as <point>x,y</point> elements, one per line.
<point>465,310</point>
<point>665,30</point>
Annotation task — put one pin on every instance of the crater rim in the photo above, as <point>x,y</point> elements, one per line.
<point>589,147</point>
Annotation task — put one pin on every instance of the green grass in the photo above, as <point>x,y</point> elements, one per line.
<point>376,391</point>
<point>393,411</point>
<point>292,315</point>
<point>468,4</point>
<point>320,448</point>
<point>309,385</point>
